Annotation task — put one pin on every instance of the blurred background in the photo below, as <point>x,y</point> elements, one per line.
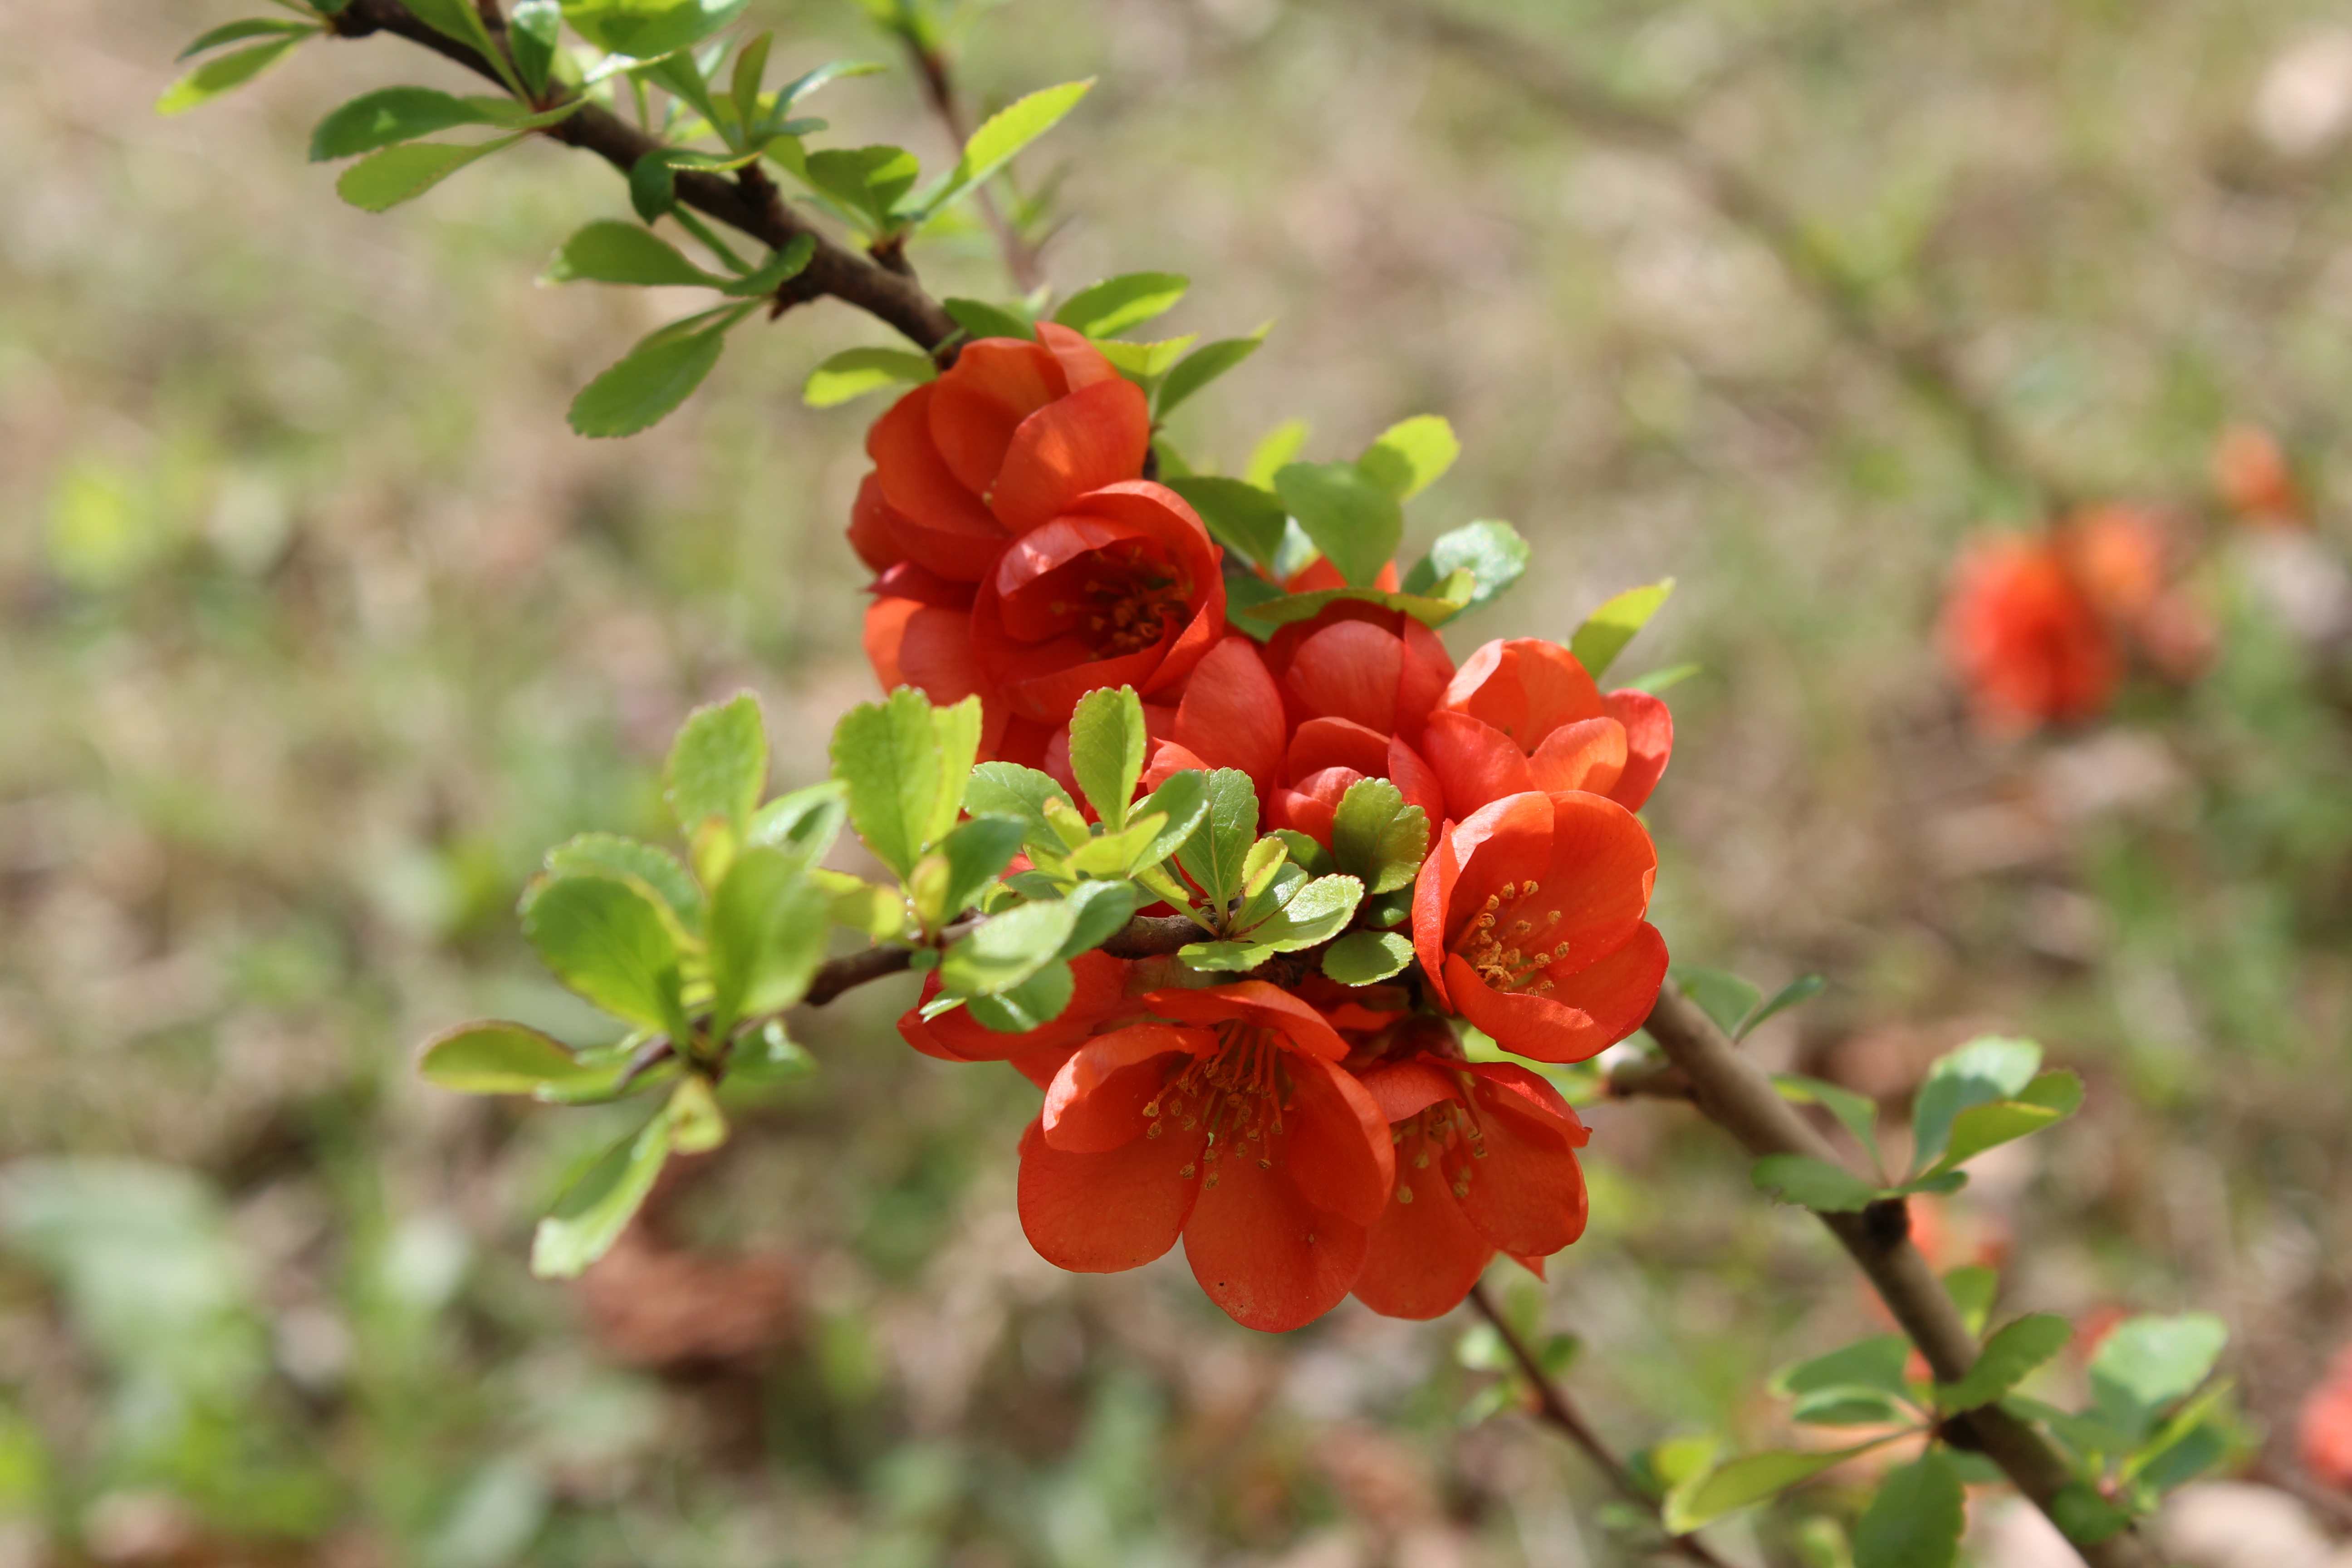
<point>316,626</point>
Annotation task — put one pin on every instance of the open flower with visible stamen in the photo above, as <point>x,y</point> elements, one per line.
<point>1485,1161</point>
<point>1227,1120</point>
<point>1523,714</point>
<point>1527,920</point>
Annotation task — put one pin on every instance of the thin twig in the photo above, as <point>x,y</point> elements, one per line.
<point>938,87</point>
<point>1922,360</point>
<point>1559,1411</point>
<point>748,202</point>
<point>1733,1092</point>
<point>1145,936</point>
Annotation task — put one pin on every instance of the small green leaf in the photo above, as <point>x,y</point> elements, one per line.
<point>1491,553</point>
<point>606,941</point>
<point>1366,957</point>
<point>1107,742</point>
<point>1377,837</point>
<point>1032,1004</point>
<point>1916,1520</point>
<point>2050,1098</point>
<point>609,251</point>
<point>981,320</point>
<point>1972,1287</point>
<point>743,83</point>
<point>645,385</point>
<point>767,1056</point>
<point>1239,516</point>
<point>1304,852</point>
<point>497,1058</point>
<point>718,766</point>
<point>1873,1364</point>
<point>590,1216</point>
<point>1143,364</point>
<point>1849,1408</point>
<point>610,855</point>
<point>1116,304</point>
<point>1804,988</point>
<point>854,373</point>
<point>789,262</point>
<point>251,28</point>
<point>653,185</point>
<point>1408,458</point>
<point>767,932</point>
<point>1659,680</point>
<point>1213,857</point>
<point>644,29</point>
<point>1351,520</point>
<point>389,116</point>
<point>1811,1183</point>
<point>1098,911</point>
<point>392,175</point>
<point>533,28</point>
<point>2014,1349</point>
<point>1006,948</point>
<point>2146,1363</point>
<point>1317,910</point>
<point>1281,445</point>
<point>1857,1112</point>
<point>1605,632</point>
<point>1008,789</point>
<point>1001,138</point>
<point>2084,1517</point>
<point>1752,1478</point>
<point>865,181</point>
<point>224,73</point>
<point>1203,365</point>
<point>1979,1072</point>
<point>804,821</point>
<point>1720,995</point>
<point>906,765</point>
<point>976,852</point>
<point>1183,800</point>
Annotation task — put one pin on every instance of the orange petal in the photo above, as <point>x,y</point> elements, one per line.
<point>1094,437</point>
<point>1423,1254</point>
<point>1526,1196</point>
<point>1082,363</point>
<point>1339,1138</point>
<point>1500,842</point>
<point>1262,1252</point>
<point>1231,715</point>
<point>1586,754</point>
<point>1433,903</point>
<point>1349,670</point>
<point>1649,741</point>
<point>1476,764</point>
<point>1097,1213</point>
<point>1096,1101</point>
<point>1598,874</point>
<point>995,384</point>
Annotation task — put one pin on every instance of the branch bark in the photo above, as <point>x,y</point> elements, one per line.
<point>750,202</point>
<point>1733,1092</point>
<point>1557,1411</point>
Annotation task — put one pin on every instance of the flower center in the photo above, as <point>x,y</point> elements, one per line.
<point>1236,1091</point>
<point>1501,944</point>
<point>1128,603</point>
<point>1443,1133</point>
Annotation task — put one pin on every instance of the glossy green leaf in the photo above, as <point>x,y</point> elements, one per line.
<point>251,28</point>
<point>1203,365</point>
<point>1143,364</point>
<point>1351,520</point>
<point>1182,799</point>
<point>1659,680</point>
<point>645,385</point>
<point>1408,457</point>
<point>387,117</point>
<point>2050,1099</point>
<point>865,181</point>
<point>1811,1183</point>
<point>1006,948</point>
<point>981,320</point>
<point>803,822</point>
<point>610,855</point>
<point>789,262</point>
<point>1239,516</point>
<point>394,175</point>
<point>768,933</point>
<point>1744,1482</point>
<point>609,251</point>
<point>1261,619</point>
<point>2013,1350</point>
<point>906,765</point>
<point>223,73</point>
<point>1001,138</point>
<point>1979,1072</point>
<point>1857,1112</point>
<point>1316,910</point>
<point>976,852</point>
<point>1008,789</point>
<point>1917,1517</point>
<point>1098,911</point>
<point>1377,837</point>
<point>1118,303</point>
<point>1491,553</point>
<point>2146,1363</point>
<point>853,373</point>
<point>646,29</point>
<point>591,1216</point>
<point>533,27</point>
<point>497,1058</point>
<point>1212,857</point>
<point>1873,1364</point>
<point>1849,1408</point>
<point>718,765</point>
<point>607,942</point>
<point>1032,1004</point>
<point>1804,988</point>
<point>1605,632</point>
<point>1280,445</point>
<point>1107,743</point>
<point>1366,957</point>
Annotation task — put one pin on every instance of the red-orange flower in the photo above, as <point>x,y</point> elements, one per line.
<point>2324,1427</point>
<point>1527,919</point>
<point>1358,661</point>
<point>1121,587</point>
<point>1000,443</point>
<point>1099,995</point>
<point>2025,639</point>
<point>1522,714</point>
<point>1485,1161</point>
<point>2256,482</point>
<point>1230,1123</point>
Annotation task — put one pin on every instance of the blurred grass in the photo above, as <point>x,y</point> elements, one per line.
<point>319,627</point>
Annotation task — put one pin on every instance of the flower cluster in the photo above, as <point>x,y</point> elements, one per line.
<point>1305,1138</point>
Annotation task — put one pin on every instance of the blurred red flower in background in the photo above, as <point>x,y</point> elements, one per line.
<point>2324,1430</point>
<point>1522,714</point>
<point>2256,482</point>
<point>2025,639</point>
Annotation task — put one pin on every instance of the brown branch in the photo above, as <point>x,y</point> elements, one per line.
<point>939,88</point>
<point>748,202</point>
<point>1731,1090</point>
<point>1924,362</point>
<point>1553,1405</point>
<point>1145,936</point>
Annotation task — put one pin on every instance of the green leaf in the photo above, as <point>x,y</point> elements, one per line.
<point>1099,911</point>
<point>1304,852</point>
<point>1979,1072</point>
<point>1659,680</point>
<point>1241,516</point>
<point>789,262</point>
<point>1972,1287</point>
<point>653,185</point>
<point>2192,1440</point>
<point>1203,365</point>
<point>981,320</point>
<point>1605,632</point>
<point>1317,910</point>
<point>768,1056</point>
<point>1873,1364</point>
<point>1849,1408</point>
<point>906,765</point>
<point>1117,303</point>
<point>975,852</point>
<point>251,28</point>
<point>1032,1004</point>
<point>1916,1520</point>
<point>497,1058</point>
<point>1491,552</point>
<point>607,942</point>
<point>697,1126</point>
<point>1212,857</point>
<point>1804,988</point>
<point>804,821</point>
<point>1183,800</point>
<point>800,87</point>
<point>1745,1482</point>
<point>389,116</point>
<point>590,1217</point>
<point>743,84</point>
<point>1406,458</point>
<point>2014,1349</point>
<point>1352,521</point>
<point>1375,836</point>
<point>386,178</point>
<point>1107,742</point>
<point>1001,137</point>
<point>1857,1112</point>
<point>645,29</point>
<point>609,251</point>
<point>1366,957</point>
<point>1006,948</point>
<point>1720,995</point>
<point>854,373</point>
<point>645,385</point>
<point>533,29</point>
<point>1280,446</point>
<point>767,932</point>
<point>223,73</point>
<point>610,855</point>
<point>2146,1363</point>
<point>1262,619</point>
<point>1008,789</point>
<point>2084,1517</point>
<point>2050,1098</point>
<point>1143,364</point>
<point>1811,1183</point>
<point>865,181</point>
<point>718,766</point>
